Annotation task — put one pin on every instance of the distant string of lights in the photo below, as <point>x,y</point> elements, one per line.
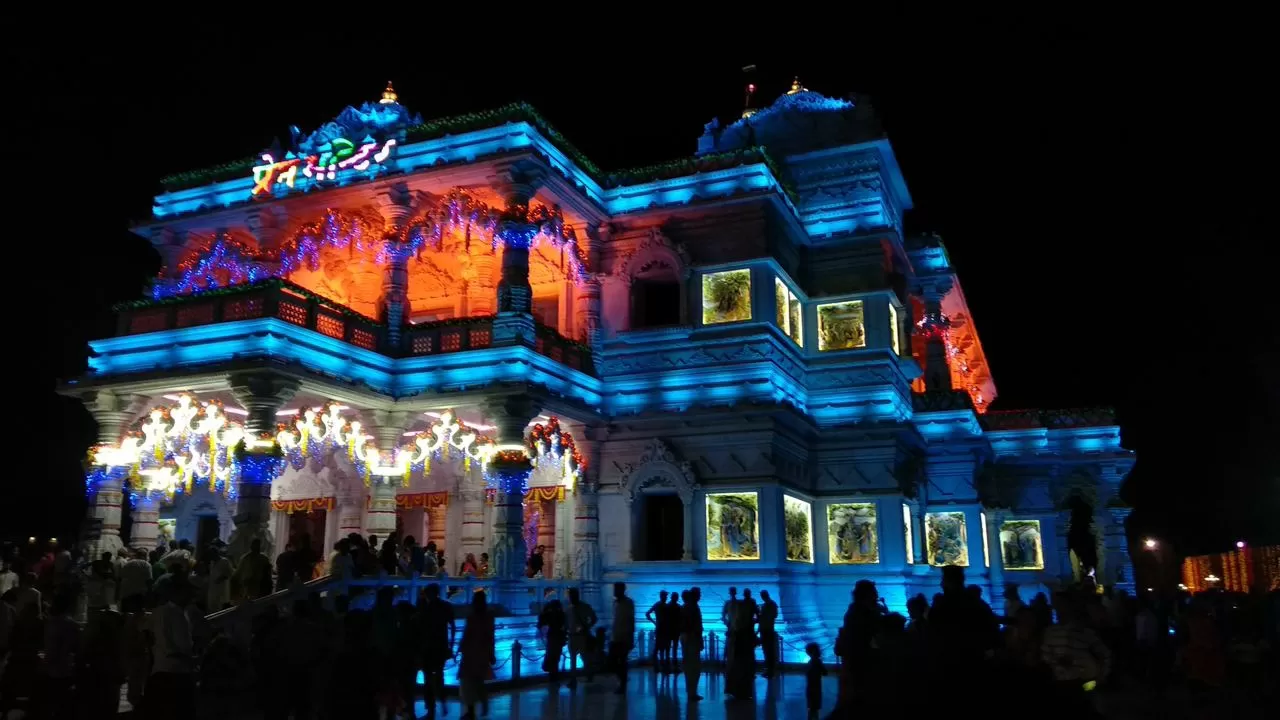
<point>938,325</point>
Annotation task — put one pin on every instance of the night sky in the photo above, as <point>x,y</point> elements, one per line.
<point>1101,200</point>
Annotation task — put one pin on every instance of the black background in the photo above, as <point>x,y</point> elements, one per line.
<point>1102,192</point>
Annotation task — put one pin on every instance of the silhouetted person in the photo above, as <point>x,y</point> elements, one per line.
<point>581,618</point>
<point>657,615</point>
<point>478,657</point>
<point>768,633</point>
<point>675,619</point>
<point>814,671</point>
<point>553,620</point>
<point>439,632</point>
<point>691,626</point>
<point>622,638</point>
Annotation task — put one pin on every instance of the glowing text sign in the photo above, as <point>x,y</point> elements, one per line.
<point>333,157</point>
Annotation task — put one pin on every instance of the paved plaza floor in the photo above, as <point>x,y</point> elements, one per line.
<point>651,697</point>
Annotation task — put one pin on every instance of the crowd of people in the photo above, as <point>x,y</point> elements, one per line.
<point>72,634</point>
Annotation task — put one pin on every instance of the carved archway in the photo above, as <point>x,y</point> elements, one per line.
<point>656,262</point>
<point>656,472</point>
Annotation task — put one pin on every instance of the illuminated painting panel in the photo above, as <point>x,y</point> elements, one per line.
<point>986,547</point>
<point>726,297</point>
<point>788,312</point>
<point>893,329</point>
<point>852,534</point>
<point>906,529</point>
<point>946,539</point>
<point>1021,545</point>
<point>799,527</point>
<point>841,326</point>
<point>733,526</point>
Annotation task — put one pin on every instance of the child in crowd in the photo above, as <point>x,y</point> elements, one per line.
<point>813,673</point>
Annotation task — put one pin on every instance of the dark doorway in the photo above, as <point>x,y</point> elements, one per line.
<point>207,528</point>
<point>655,303</point>
<point>663,528</point>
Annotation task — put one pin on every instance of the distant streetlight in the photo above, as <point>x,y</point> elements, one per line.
<point>32,539</point>
<point>1240,544</point>
<point>1150,543</point>
<point>1212,578</point>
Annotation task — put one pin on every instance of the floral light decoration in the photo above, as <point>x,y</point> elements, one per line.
<point>218,261</point>
<point>176,448</point>
<point>457,210</point>
<point>509,469</point>
<point>339,230</point>
<point>446,438</point>
<point>553,445</point>
<point>938,325</point>
<point>316,433</point>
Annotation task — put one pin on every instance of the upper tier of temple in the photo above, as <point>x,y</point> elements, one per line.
<point>405,238</point>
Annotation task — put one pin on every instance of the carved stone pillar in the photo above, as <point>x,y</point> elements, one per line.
<point>588,313</point>
<point>396,206</point>
<point>995,552</point>
<point>547,536</point>
<point>1117,565</point>
<point>937,371</point>
<point>351,514</point>
<point>388,429</point>
<point>262,394</point>
<point>514,322</point>
<point>587,565</point>
<point>146,523</point>
<point>509,475</point>
<point>113,412</point>
<point>472,523</point>
<point>380,519</point>
<point>437,532</point>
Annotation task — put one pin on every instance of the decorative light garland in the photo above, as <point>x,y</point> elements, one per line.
<point>938,325</point>
<point>550,444</point>
<point>221,260</point>
<point>176,448</point>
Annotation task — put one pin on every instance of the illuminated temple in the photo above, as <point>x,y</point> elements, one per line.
<point>732,369</point>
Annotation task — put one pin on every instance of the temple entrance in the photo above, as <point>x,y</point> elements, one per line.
<point>311,526</point>
<point>207,528</point>
<point>661,527</point>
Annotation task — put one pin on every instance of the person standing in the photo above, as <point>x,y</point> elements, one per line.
<point>675,616</point>
<point>61,653</point>
<point>581,619</point>
<point>439,632</point>
<point>286,567</point>
<point>657,614</point>
<point>814,671</point>
<point>691,625</point>
<point>478,657</point>
<point>171,689</point>
<point>742,665</point>
<point>553,619</point>
<point>252,576</point>
<point>622,638</point>
<point>135,576</point>
<point>220,572</point>
<point>768,633</point>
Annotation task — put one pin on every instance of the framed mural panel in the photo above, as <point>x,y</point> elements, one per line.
<point>986,542</point>
<point>1021,546</point>
<point>726,296</point>
<point>894,332</point>
<point>733,526</point>
<point>841,326</point>
<point>906,530</point>
<point>853,535</point>
<point>946,539</point>
<point>799,527</point>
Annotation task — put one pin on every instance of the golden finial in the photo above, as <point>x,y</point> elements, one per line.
<point>389,96</point>
<point>796,87</point>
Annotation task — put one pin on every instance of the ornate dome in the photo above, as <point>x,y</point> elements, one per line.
<point>799,121</point>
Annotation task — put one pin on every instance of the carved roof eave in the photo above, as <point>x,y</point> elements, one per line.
<point>955,305</point>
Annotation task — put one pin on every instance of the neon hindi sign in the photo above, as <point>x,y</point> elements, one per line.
<point>330,160</point>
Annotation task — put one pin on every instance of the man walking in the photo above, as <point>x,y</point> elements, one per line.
<point>582,618</point>
<point>622,639</point>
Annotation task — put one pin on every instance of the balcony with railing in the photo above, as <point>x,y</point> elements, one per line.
<point>284,301</point>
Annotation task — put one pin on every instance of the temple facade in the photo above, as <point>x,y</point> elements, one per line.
<point>732,369</point>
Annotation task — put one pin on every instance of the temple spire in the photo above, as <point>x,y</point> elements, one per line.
<point>389,96</point>
<point>796,87</point>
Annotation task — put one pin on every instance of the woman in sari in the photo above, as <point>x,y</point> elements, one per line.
<point>478,656</point>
